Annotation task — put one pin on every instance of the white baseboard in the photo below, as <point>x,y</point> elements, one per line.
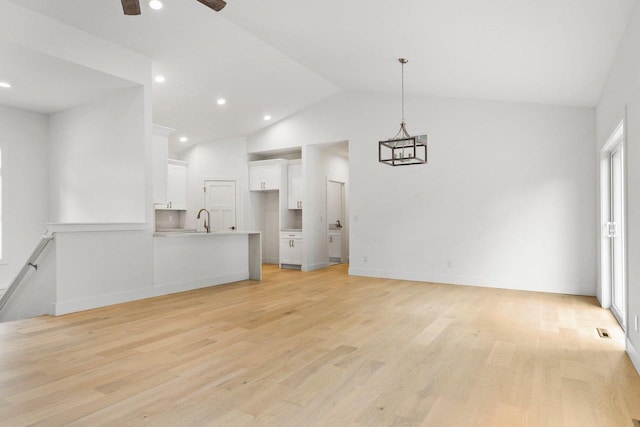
<point>311,267</point>
<point>500,283</point>
<point>633,355</point>
<point>81,304</point>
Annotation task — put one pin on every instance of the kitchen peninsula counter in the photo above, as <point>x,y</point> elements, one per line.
<point>193,260</point>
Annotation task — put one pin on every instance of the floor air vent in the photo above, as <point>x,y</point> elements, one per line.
<point>604,334</point>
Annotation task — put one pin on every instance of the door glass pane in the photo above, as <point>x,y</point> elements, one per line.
<point>617,216</point>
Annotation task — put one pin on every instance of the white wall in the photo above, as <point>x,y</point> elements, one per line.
<point>266,207</point>
<point>23,140</point>
<point>218,159</point>
<point>508,194</point>
<point>93,164</point>
<point>623,91</point>
<point>94,269</point>
<point>26,28</point>
<point>97,170</point>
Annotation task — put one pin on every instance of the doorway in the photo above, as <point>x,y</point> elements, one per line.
<point>613,218</point>
<point>335,222</point>
<point>616,234</point>
<point>220,201</point>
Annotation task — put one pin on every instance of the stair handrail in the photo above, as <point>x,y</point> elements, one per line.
<point>31,263</point>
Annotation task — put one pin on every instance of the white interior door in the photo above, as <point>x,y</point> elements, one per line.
<point>334,203</point>
<point>220,201</point>
<point>616,235</point>
<point>335,220</point>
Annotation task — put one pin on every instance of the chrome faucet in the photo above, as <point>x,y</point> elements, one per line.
<point>207,220</point>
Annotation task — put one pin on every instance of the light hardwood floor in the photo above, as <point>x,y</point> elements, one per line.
<point>322,349</point>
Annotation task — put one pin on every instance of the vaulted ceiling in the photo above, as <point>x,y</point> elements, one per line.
<point>276,57</point>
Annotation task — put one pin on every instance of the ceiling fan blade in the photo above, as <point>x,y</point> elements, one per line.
<point>216,5</point>
<point>131,7</point>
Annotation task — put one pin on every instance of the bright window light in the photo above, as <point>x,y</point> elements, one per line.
<point>1,208</point>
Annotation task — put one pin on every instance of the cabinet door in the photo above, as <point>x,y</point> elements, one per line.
<point>272,177</point>
<point>291,251</point>
<point>264,177</point>
<point>256,178</point>
<point>296,251</point>
<point>177,186</point>
<point>160,159</point>
<point>285,251</point>
<point>294,194</point>
<point>335,246</point>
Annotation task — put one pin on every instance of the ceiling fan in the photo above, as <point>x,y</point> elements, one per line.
<point>132,7</point>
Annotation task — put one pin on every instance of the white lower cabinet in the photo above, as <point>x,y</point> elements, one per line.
<point>334,246</point>
<point>291,248</point>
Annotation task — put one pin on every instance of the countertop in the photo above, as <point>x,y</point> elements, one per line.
<point>202,233</point>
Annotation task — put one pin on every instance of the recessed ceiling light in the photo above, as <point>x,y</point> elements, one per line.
<point>184,139</point>
<point>159,79</point>
<point>5,85</point>
<point>155,4</point>
<point>221,101</point>
<point>267,117</point>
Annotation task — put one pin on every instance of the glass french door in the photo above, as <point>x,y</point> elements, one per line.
<point>616,235</point>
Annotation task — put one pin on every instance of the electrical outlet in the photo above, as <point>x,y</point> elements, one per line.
<point>449,263</point>
<point>636,322</point>
<point>364,258</point>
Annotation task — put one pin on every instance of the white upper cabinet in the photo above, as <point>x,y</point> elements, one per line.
<point>177,185</point>
<point>160,159</point>
<point>265,175</point>
<point>294,175</point>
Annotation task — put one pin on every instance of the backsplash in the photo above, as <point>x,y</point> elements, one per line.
<point>169,219</point>
<point>297,219</point>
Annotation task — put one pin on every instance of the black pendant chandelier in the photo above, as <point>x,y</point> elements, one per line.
<point>403,149</point>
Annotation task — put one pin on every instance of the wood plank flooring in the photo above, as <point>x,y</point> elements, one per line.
<point>322,349</point>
